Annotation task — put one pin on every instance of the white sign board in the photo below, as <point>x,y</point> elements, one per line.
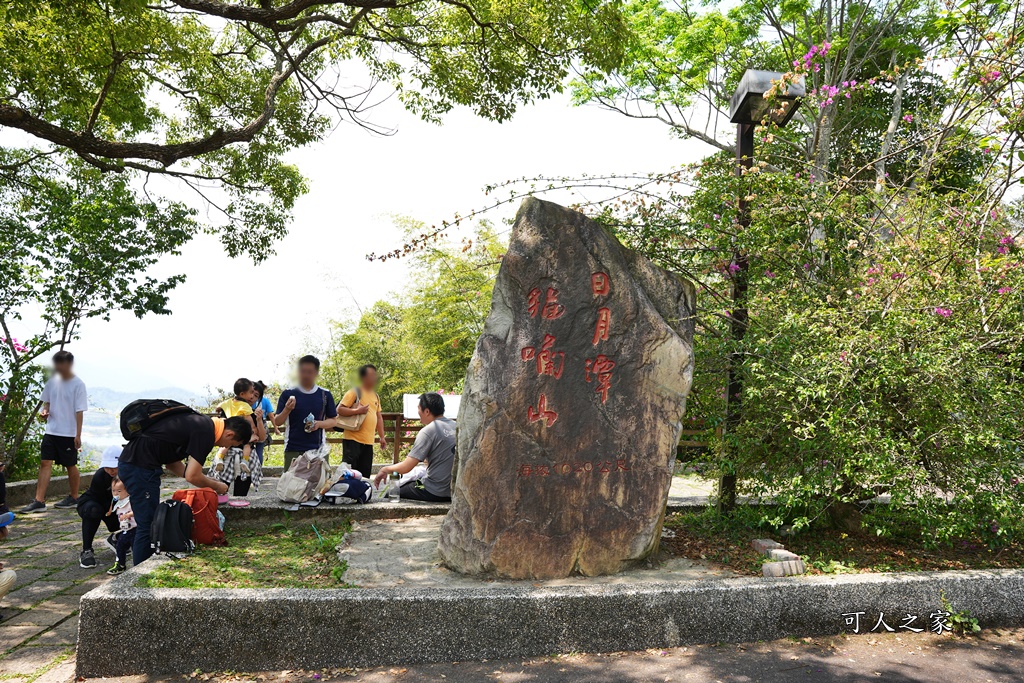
<point>411,401</point>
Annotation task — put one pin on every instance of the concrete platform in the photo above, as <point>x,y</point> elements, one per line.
<point>275,629</point>
<point>403,554</point>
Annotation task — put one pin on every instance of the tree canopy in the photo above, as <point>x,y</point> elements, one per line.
<point>423,340</point>
<point>876,239</point>
<point>79,248</point>
<point>215,93</point>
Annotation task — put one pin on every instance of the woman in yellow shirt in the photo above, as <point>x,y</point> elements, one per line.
<point>357,447</point>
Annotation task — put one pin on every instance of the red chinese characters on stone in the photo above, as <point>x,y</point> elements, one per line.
<point>600,369</point>
<point>600,284</point>
<point>542,412</point>
<point>603,326</point>
<point>549,361</point>
<point>551,310</point>
<point>533,302</point>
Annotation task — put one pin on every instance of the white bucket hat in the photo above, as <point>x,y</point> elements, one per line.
<point>110,456</point>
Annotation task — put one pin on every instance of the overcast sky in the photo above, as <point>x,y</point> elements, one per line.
<point>357,181</point>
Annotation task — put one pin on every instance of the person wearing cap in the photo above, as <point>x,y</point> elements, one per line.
<point>94,504</point>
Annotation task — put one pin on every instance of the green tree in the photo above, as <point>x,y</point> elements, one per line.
<point>882,353</point>
<point>216,93</point>
<point>423,340</point>
<point>77,250</point>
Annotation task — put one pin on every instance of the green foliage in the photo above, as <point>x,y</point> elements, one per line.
<point>77,249</point>
<point>215,93</point>
<point>960,621</point>
<point>883,352</point>
<point>423,340</point>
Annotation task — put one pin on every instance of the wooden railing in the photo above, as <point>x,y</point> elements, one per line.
<point>399,430</point>
<point>402,431</point>
<point>688,446</point>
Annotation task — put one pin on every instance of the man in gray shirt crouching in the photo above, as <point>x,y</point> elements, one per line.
<point>435,445</point>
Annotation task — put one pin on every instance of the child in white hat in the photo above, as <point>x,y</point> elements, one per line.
<point>94,506</point>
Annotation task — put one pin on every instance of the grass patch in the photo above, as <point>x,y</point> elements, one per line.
<point>286,555</point>
<point>725,541</point>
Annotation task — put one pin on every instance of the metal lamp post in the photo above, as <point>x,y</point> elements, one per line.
<point>747,109</point>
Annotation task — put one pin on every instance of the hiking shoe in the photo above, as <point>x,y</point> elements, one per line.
<point>34,506</point>
<point>87,560</point>
<point>116,569</point>
<point>6,518</point>
<point>111,542</point>
<point>68,502</point>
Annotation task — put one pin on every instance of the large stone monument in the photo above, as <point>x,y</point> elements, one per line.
<point>572,408</point>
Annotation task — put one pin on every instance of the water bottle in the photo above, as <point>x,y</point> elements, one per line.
<point>394,490</point>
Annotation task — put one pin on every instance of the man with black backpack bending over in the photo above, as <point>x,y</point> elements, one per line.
<point>181,441</point>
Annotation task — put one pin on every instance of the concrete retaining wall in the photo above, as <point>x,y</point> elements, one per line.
<point>22,492</point>
<point>183,630</point>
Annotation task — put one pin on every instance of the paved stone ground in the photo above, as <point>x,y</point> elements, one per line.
<point>39,618</point>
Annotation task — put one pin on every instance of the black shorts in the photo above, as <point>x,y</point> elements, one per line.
<point>359,456</point>
<point>60,449</point>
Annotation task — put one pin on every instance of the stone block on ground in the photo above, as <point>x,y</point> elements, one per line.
<point>65,633</point>
<point>41,615</point>
<point>26,576</point>
<point>572,407</point>
<point>763,545</point>
<point>782,555</point>
<point>786,568</point>
<point>62,673</point>
<point>13,636</point>
<point>38,591</point>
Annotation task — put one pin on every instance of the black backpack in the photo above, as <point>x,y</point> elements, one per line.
<point>139,415</point>
<point>172,528</point>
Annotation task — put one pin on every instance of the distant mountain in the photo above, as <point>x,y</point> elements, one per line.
<point>113,401</point>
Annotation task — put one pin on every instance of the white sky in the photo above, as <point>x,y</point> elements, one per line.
<point>357,181</point>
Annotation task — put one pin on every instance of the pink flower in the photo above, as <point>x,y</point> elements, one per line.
<point>871,281</point>
<point>898,276</point>
<point>733,268</point>
<point>1002,250</point>
<point>944,312</point>
<point>769,273</point>
<point>1006,239</point>
<point>1004,290</point>
<point>18,346</point>
<point>908,117</point>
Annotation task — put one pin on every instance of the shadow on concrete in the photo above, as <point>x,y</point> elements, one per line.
<point>904,658</point>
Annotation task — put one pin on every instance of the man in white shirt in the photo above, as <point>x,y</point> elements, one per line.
<point>65,401</point>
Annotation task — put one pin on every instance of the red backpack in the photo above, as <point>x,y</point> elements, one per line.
<point>206,529</point>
